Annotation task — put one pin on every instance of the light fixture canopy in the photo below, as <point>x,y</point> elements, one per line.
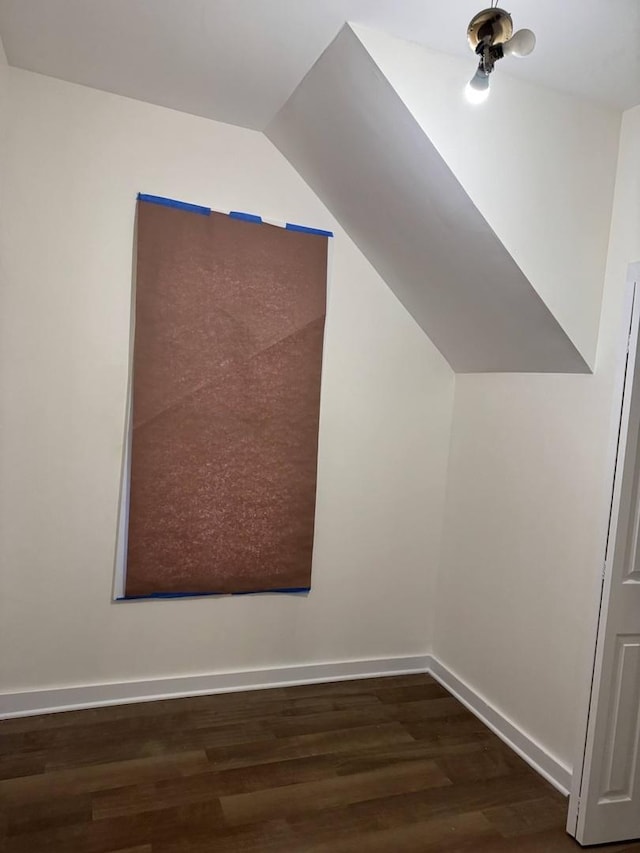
<point>493,25</point>
<point>491,37</point>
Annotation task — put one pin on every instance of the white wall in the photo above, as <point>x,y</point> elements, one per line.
<point>526,515</point>
<point>77,157</point>
<point>539,165</point>
<point>4,126</point>
<point>4,88</point>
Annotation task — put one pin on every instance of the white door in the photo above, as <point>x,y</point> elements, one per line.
<point>606,798</point>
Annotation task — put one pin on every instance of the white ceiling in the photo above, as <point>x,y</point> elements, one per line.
<point>239,60</point>
<point>386,183</point>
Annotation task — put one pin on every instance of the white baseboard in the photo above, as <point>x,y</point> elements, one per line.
<point>542,761</point>
<point>33,702</point>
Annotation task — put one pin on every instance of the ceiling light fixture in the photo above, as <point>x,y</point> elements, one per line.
<point>490,36</point>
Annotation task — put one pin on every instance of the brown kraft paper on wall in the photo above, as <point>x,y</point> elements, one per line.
<point>229,320</point>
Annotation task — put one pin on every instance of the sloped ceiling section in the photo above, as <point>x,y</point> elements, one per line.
<point>539,165</point>
<point>356,144</point>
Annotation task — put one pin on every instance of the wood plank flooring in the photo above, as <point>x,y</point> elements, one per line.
<point>392,765</point>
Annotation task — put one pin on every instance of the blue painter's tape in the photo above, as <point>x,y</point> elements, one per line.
<point>247,217</point>
<point>163,595</point>
<point>291,227</point>
<point>295,590</point>
<point>171,202</point>
<point>166,595</point>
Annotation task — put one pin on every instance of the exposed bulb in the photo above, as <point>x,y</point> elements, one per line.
<point>477,89</point>
<point>521,43</point>
<point>475,96</point>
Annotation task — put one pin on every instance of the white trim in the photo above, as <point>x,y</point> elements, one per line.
<point>542,761</point>
<point>583,807</point>
<point>583,749</point>
<point>126,692</point>
<point>34,702</point>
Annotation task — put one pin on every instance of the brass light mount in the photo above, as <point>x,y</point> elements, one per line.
<point>490,35</point>
<point>486,33</point>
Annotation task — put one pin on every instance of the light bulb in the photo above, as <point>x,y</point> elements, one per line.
<point>520,44</point>
<point>475,96</point>
<point>477,89</point>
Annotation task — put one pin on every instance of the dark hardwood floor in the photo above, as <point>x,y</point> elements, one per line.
<point>379,766</point>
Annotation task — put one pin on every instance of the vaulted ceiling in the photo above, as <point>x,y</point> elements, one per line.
<point>238,61</point>
<point>380,154</point>
<point>490,228</point>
